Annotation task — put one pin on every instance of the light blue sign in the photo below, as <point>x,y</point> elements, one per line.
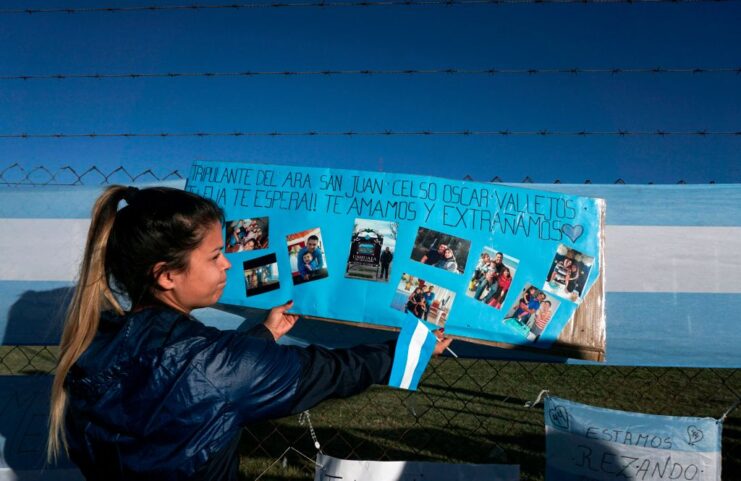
<point>585,442</point>
<point>486,261</point>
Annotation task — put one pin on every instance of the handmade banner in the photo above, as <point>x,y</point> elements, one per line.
<point>585,442</point>
<point>332,469</point>
<point>490,263</point>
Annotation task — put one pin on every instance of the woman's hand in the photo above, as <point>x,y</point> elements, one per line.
<point>442,342</point>
<point>278,322</point>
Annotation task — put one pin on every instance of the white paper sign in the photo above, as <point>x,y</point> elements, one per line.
<point>334,469</point>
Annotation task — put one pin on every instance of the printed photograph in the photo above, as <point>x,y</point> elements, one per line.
<point>261,275</point>
<point>531,312</point>
<point>492,277</point>
<point>372,248</point>
<point>246,235</point>
<point>426,301</point>
<point>306,252</point>
<point>440,250</point>
<point>568,273</point>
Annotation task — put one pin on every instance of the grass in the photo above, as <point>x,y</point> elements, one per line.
<point>466,411</point>
<point>472,411</point>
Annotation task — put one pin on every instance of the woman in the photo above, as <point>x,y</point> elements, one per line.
<point>448,261</point>
<point>416,303</point>
<point>150,392</point>
<point>504,280</point>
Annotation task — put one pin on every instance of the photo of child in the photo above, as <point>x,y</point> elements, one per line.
<point>568,273</point>
<point>261,275</point>
<point>246,235</point>
<point>440,250</point>
<point>492,278</point>
<point>530,314</point>
<point>372,248</point>
<point>308,261</point>
<point>424,300</point>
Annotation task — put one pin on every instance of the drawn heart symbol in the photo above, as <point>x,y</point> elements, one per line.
<point>560,417</point>
<point>695,435</point>
<point>573,232</point>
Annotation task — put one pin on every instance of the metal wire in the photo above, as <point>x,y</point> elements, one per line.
<point>381,72</point>
<point>16,175</point>
<point>324,4</point>
<point>466,410</point>
<point>386,133</point>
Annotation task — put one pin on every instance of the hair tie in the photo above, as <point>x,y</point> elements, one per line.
<point>129,194</point>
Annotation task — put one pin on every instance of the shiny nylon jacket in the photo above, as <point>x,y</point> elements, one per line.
<point>158,395</point>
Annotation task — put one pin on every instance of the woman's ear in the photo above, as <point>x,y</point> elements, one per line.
<point>163,277</point>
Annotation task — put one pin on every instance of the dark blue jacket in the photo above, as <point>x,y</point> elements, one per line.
<point>158,395</point>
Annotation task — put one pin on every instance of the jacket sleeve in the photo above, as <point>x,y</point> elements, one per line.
<point>335,373</point>
<point>262,380</point>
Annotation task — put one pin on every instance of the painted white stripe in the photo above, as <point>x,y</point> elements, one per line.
<point>673,259</point>
<point>638,258</point>
<point>41,249</point>
<point>415,347</point>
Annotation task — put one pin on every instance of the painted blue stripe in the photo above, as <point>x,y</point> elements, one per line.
<point>603,423</point>
<point>32,313</point>
<point>56,202</point>
<point>649,329</point>
<point>685,205</point>
<point>673,329</point>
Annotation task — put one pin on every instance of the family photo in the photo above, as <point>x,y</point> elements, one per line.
<point>261,275</point>
<point>530,314</point>
<point>372,248</point>
<point>440,250</point>
<point>424,300</point>
<point>306,253</point>
<point>492,277</point>
<point>246,235</point>
<point>568,273</point>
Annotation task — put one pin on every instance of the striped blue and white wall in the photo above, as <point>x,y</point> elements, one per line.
<point>673,270</point>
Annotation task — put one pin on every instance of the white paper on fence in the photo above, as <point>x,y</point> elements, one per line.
<point>335,469</point>
<point>587,442</point>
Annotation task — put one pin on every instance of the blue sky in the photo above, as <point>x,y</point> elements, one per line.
<point>507,36</point>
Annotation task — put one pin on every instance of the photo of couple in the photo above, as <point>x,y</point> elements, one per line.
<point>492,278</point>
<point>440,250</point>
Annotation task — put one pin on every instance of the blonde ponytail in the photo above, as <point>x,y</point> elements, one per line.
<point>91,297</point>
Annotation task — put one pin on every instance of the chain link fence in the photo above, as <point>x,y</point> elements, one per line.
<point>465,411</point>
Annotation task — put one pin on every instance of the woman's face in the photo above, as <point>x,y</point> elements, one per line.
<point>203,281</point>
<point>448,253</point>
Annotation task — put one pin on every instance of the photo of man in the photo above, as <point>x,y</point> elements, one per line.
<point>372,246</point>
<point>308,262</point>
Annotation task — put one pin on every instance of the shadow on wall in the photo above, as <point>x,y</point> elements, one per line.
<point>35,318</point>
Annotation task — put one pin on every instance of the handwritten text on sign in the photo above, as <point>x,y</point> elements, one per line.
<point>471,207</point>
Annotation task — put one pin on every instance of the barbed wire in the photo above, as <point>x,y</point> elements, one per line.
<point>16,175</point>
<point>373,72</point>
<point>385,133</point>
<point>324,4</point>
